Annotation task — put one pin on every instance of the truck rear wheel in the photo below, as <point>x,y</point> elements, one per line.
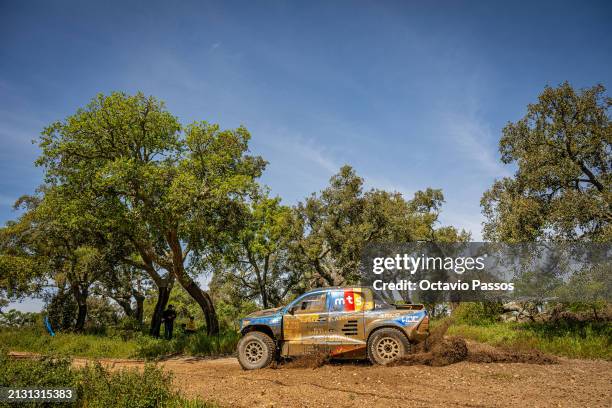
<point>387,345</point>
<point>255,350</point>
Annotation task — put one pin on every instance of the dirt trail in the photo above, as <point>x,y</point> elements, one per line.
<point>570,383</point>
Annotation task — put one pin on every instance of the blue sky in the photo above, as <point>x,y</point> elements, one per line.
<point>413,94</point>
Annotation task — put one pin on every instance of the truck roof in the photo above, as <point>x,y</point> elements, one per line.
<point>337,288</point>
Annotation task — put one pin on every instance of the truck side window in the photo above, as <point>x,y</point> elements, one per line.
<point>314,303</point>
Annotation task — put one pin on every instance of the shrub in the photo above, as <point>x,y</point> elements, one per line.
<point>126,388</point>
<point>17,319</point>
<point>46,371</point>
<point>150,347</point>
<point>101,314</point>
<point>575,340</point>
<point>202,345</point>
<point>68,344</point>
<point>477,313</point>
<point>96,386</point>
<point>118,346</point>
<point>198,344</point>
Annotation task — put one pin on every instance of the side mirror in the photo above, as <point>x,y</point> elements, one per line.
<point>291,311</point>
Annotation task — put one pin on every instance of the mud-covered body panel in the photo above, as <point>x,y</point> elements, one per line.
<point>270,318</point>
<point>336,321</point>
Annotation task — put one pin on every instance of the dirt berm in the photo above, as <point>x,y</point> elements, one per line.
<point>455,349</point>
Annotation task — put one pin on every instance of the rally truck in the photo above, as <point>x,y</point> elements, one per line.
<point>340,322</point>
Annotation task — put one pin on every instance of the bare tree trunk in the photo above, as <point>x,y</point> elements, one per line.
<point>203,299</point>
<point>264,298</point>
<point>82,315</point>
<point>80,296</point>
<point>138,313</point>
<point>126,305</point>
<point>163,295</point>
<point>164,287</point>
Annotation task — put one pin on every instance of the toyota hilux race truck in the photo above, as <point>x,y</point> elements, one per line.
<point>340,322</point>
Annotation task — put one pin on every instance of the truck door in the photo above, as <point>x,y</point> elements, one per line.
<point>305,324</point>
<point>346,316</point>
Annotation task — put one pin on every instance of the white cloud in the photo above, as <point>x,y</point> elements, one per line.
<point>301,151</point>
<point>471,137</point>
<point>315,154</point>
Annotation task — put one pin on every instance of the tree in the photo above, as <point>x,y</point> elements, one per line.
<point>20,273</point>
<point>338,223</point>
<point>588,288</point>
<point>61,244</point>
<point>562,187</point>
<point>258,259</point>
<point>19,277</point>
<point>16,319</point>
<point>171,191</point>
<point>61,309</point>
<point>127,286</point>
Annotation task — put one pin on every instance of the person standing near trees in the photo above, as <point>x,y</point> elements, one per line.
<point>168,319</point>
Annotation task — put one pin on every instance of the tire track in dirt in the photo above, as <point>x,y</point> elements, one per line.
<point>570,383</point>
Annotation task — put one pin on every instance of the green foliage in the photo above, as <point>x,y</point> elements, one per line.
<point>257,262</point>
<point>61,245</point>
<point>591,285</point>
<point>197,344</point>
<point>128,326</point>
<point>20,273</point>
<point>118,345</point>
<point>96,387</point>
<point>101,315</point>
<point>203,345</point>
<point>591,340</point>
<point>151,347</point>
<point>184,306</point>
<point>562,188</point>
<point>102,389</point>
<point>15,319</point>
<point>172,192</point>
<point>230,312</point>
<point>47,371</point>
<point>67,344</point>
<point>477,313</point>
<point>127,286</point>
<point>62,311</point>
<point>337,224</point>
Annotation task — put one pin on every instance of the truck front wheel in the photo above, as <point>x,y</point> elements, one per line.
<point>255,350</point>
<point>387,345</point>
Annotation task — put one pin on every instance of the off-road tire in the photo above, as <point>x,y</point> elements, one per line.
<point>256,350</point>
<point>387,345</point>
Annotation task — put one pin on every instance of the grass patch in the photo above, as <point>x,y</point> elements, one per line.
<point>591,340</point>
<point>96,386</point>
<point>104,346</point>
<point>68,344</point>
<point>198,344</point>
